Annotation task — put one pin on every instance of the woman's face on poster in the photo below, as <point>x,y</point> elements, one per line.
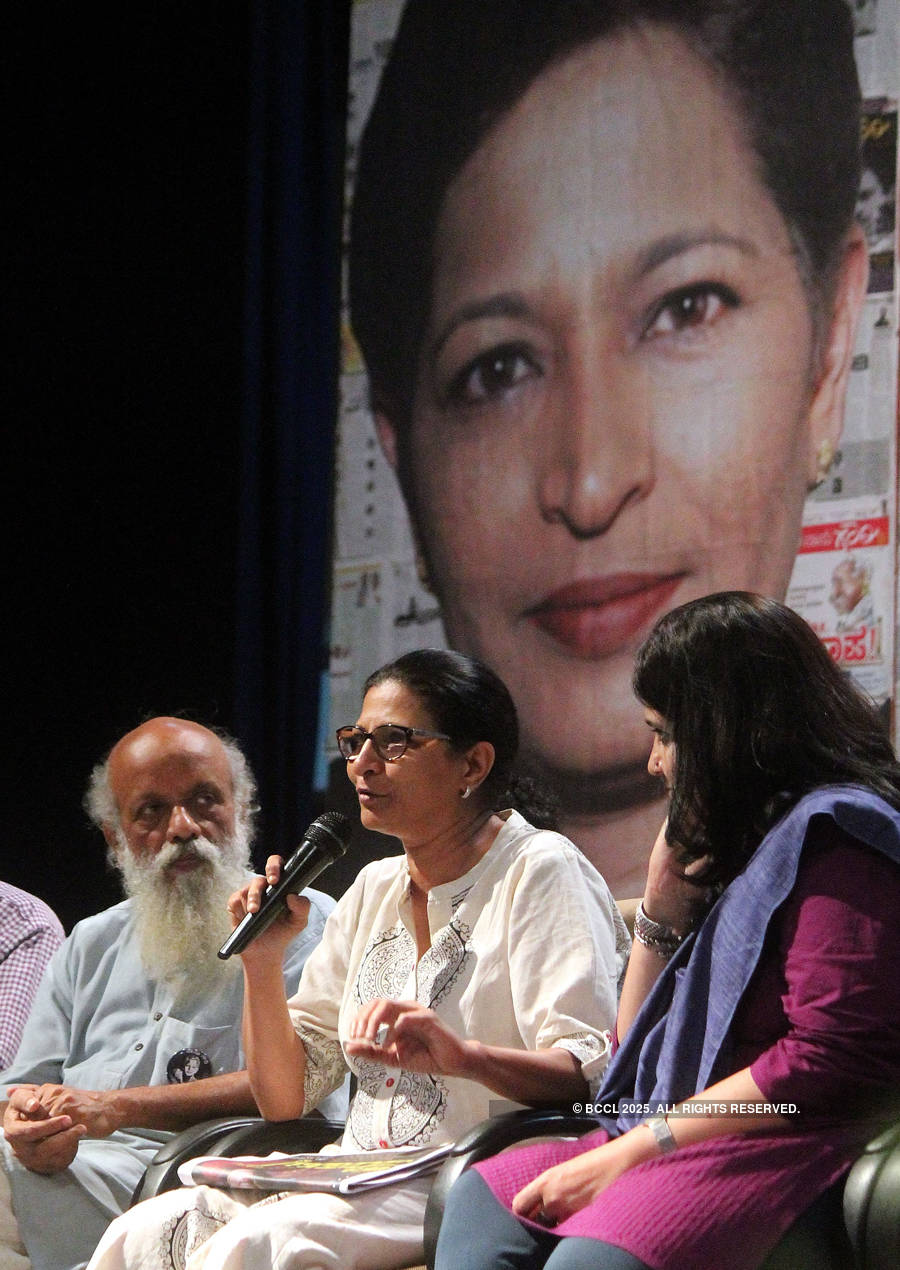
<point>618,407</point>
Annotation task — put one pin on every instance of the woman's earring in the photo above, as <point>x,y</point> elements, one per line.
<point>824,460</point>
<point>466,792</point>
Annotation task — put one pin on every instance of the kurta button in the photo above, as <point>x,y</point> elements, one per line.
<point>389,1081</point>
<point>157,1016</point>
<point>139,1046</point>
<point>383,1142</point>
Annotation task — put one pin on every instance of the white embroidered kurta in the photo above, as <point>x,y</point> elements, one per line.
<point>526,952</point>
<point>523,954</point>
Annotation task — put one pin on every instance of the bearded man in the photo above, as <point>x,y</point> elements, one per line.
<point>135,1030</point>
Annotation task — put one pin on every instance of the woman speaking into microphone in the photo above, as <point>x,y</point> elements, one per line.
<point>431,983</point>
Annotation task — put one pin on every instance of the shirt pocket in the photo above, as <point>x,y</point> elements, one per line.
<point>216,1049</point>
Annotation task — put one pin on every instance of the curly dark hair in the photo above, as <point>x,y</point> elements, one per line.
<point>760,715</point>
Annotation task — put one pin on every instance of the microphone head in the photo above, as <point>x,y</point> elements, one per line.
<point>331,833</point>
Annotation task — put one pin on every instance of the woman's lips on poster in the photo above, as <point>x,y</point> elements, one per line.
<point>598,616</point>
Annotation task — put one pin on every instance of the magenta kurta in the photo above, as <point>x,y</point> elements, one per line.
<point>819,1025</point>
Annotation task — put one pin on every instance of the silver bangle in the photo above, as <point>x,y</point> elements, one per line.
<point>665,1139</point>
<point>662,939</point>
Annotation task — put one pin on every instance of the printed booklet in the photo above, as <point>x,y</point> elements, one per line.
<point>317,1171</point>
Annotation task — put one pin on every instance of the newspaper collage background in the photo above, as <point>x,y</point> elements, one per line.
<point>844,578</point>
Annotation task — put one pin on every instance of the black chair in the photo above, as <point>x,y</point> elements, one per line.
<point>856,1223</point>
<point>872,1203</point>
<point>230,1136</point>
<point>488,1138</point>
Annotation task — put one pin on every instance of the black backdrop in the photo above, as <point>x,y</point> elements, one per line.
<point>170,289</point>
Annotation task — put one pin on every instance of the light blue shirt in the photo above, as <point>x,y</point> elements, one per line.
<point>98,1022</point>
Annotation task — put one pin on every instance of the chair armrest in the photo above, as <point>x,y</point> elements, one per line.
<point>229,1136</point>
<point>872,1203</point>
<point>488,1138</point>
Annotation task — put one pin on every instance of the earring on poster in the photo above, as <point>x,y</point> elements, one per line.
<point>466,792</point>
<point>824,459</point>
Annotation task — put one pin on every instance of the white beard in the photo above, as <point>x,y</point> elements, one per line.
<point>181,918</point>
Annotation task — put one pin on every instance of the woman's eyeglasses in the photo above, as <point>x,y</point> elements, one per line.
<point>390,740</point>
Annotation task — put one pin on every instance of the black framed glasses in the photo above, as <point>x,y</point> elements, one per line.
<point>390,740</point>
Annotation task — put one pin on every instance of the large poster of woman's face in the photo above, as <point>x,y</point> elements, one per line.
<point>620,331</point>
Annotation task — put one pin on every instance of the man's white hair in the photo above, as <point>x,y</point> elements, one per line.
<point>100,804</point>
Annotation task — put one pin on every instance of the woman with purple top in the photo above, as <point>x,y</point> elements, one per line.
<point>759,1024</point>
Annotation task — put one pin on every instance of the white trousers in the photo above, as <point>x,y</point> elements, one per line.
<point>201,1228</point>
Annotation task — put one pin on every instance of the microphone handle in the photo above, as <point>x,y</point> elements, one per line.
<point>307,862</point>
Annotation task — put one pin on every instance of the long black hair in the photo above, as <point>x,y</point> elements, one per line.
<point>760,715</point>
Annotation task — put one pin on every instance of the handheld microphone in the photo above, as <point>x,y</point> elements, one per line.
<point>324,842</point>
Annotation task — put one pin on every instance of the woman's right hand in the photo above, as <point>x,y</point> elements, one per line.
<point>670,897</point>
<point>271,942</point>
<point>564,1189</point>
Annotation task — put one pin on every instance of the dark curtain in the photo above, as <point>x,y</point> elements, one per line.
<point>125,192</point>
<point>297,116</point>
